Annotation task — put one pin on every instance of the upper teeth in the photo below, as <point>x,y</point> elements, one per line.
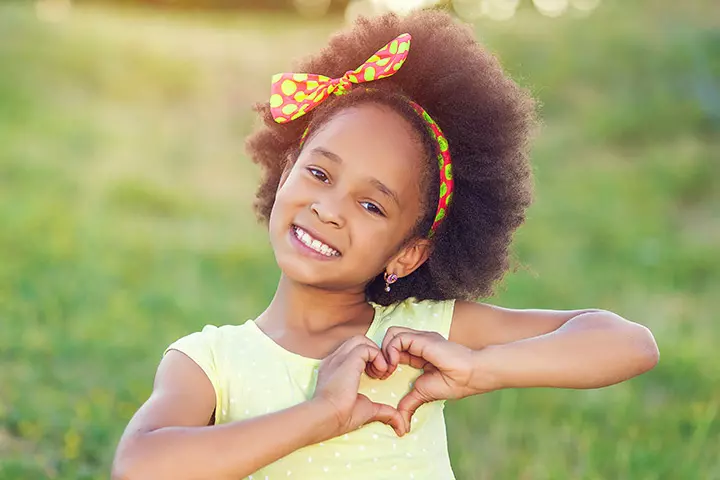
<point>315,244</point>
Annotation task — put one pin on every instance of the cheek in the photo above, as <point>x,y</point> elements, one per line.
<point>281,209</point>
<point>289,191</point>
<point>372,241</point>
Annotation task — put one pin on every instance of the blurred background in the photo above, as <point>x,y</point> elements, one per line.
<point>126,222</point>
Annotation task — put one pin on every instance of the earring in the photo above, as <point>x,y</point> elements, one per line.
<point>389,279</point>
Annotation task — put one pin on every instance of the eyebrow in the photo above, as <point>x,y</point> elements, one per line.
<point>334,157</point>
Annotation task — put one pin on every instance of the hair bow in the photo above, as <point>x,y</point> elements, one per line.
<point>295,94</point>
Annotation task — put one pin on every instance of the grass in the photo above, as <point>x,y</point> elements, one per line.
<point>125,223</point>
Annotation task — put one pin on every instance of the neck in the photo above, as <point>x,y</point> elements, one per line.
<point>314,310</point>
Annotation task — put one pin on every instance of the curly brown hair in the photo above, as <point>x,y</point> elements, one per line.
<point>488,121</point>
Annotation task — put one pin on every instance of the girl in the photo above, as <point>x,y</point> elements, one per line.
<point>393,187</point>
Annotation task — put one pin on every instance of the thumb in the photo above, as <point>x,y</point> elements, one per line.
<point>388,415</point>
<point>410,403</point>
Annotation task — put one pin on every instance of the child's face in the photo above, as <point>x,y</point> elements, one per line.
<point>356,188</point>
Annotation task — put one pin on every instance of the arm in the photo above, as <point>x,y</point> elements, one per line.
<point>549,348</point>
<point>492,348</point>
<point>169,437</point>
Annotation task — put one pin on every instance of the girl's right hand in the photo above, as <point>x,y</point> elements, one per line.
<point>338,383</point>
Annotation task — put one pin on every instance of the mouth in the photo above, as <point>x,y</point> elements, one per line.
<point>313,243</point>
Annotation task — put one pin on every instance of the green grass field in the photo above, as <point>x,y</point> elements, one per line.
<point>125,223</point>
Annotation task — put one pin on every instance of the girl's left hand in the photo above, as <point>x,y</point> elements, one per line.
<point>449,368</point>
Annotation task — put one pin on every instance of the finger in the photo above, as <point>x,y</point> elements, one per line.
<point>409,404</point>
<point>362,358</point>
<point>393,348</point>
<point>351,343</point>
<point>416,344</point>
<point>430,368</point>
<point>393,359</point>
<point>390,334</point>
<point>413,361</point>
<point>405,359</point>
<point>389,416</point>
<point>379,363</point>
<point>372,371</point>
<point>377,367</point>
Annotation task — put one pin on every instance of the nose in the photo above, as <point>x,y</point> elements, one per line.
<point>326,212</point>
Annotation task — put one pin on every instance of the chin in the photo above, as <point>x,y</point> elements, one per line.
<point>294,267</point>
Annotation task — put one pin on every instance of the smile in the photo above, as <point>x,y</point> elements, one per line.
<point>314,243</point>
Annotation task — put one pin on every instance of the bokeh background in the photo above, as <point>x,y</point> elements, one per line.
<point>125,217</point>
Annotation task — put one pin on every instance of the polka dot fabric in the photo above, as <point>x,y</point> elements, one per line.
<point>253,376</point>
<point>292,95</point>
<point>443,157</point>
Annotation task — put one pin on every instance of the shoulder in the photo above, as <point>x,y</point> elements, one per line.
<point>427,315</point>
<point>215,350</point>
<point>211,337</point>
<point>209,347</point>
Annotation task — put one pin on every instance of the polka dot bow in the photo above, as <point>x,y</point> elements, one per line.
<point>295,94</point>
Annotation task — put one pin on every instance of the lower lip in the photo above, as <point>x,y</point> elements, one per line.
<point>305,250</point>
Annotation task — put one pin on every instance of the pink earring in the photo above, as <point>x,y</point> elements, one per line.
<point>389,279</point>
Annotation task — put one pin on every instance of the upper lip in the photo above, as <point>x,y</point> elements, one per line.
<point>316,236</point>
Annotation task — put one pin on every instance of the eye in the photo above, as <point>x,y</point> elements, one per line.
<point>319,174</point>
<point>372,208</point>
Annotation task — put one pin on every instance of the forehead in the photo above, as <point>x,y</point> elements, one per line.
<point>375,141</point>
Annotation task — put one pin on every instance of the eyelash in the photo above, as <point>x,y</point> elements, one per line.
<point>323,178</point>
<point>377,210</point>
<point>312,172</point>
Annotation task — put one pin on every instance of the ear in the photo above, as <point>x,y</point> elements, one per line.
<point>410,257</point>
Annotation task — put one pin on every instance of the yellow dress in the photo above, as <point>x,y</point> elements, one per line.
<point>252,375</point>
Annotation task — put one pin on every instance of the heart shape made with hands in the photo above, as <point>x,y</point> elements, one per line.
<point>446,374</point>
<point>446,367</point>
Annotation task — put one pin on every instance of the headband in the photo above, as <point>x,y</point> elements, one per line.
<point>295,94</point>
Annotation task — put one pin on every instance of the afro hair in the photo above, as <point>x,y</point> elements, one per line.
<point>487,119</point>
